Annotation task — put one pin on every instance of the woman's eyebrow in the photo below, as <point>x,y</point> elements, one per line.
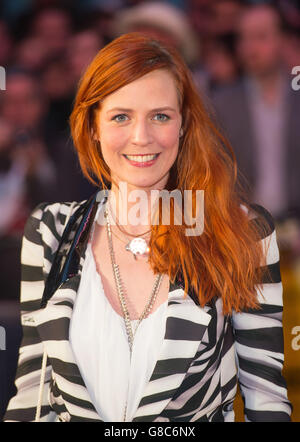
<point>158,109</point>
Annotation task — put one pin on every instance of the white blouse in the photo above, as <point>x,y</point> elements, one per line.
<point>99,342</point>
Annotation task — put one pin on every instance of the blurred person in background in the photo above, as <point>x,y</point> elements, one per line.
<point>59,80</point>
<point>215,23</point>
<point>260,113</point>
<point>225,16</point>
<point>291,48</point>
<point>58,87</point>
<point>200,17</point>
<point>291,42</point>
<point>219,65</point>
<point>37,164</point>
<point>30,55</point>
<point>27,174</point>
<point>163,21</point>
<point>6,44</point>
<point>82,48</point>
<point>11,11</point>
<point>53,26</point>
<point>23,106</point>
<point>213,18</point>
<point>13,169</point>
<point>25,178</point>
<point>291,12</point>
<point>98,16</point>
<point>26,107</point>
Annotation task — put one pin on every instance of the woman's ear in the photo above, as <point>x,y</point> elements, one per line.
<point>182,127</point>
<point>94,135</point>
<point>92,122</point>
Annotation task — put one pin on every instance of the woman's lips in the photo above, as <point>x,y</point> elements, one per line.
<point>147,163</point>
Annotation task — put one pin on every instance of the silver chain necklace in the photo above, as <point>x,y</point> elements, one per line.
<point>119,286</point>
<point>136,245</point>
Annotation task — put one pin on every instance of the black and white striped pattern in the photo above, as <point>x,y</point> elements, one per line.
<point>204,353</point>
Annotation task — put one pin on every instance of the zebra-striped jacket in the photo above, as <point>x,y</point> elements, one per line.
<point>204,355</point>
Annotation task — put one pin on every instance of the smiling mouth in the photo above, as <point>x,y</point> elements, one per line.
<point>141,158</point>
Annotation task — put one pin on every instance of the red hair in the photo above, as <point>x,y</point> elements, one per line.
<point>226,259</point>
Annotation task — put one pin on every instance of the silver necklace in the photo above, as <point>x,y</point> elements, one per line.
<point>137,245</point>
<point>119,286</point>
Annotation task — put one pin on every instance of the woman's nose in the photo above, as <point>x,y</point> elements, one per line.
<point>141,133</point>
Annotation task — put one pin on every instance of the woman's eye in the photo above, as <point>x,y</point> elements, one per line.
<point>118,119</point>
<point>164,117</point>
<point>122,117</point>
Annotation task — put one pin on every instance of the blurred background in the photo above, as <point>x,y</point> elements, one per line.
<point>241,54</point>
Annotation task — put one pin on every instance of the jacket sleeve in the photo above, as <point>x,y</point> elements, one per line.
<point>259,345</point>
<point>22,406</point>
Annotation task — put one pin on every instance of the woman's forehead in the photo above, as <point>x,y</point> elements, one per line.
<point>155,89</point>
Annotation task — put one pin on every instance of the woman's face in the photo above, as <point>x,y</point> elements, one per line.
<point>138,127</point>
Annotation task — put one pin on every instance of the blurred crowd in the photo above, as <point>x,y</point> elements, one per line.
<point>241,54</point>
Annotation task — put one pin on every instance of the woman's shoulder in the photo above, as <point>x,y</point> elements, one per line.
<point>258,211</point>
<point>265,230</point>
<point>50,216</point>
<point>59,207</point>
<point>260,217</point>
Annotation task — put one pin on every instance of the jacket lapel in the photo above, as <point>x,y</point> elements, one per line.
<point>53,324</point>
<point>53,321</point>
<point>186,324</point>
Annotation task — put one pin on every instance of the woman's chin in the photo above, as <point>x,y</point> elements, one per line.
<point>144,182</point>
<point>143,185</point>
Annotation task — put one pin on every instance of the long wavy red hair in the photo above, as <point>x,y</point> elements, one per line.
<point>226,259</point>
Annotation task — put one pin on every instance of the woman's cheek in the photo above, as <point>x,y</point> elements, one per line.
<point>169,139</point>
<point>114,141</point>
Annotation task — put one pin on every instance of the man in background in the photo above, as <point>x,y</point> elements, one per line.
<point>260,113</point>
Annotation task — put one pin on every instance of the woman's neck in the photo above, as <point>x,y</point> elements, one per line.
<point>131,207</point>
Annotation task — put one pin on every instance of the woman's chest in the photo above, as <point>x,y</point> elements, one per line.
<point>134,277</point>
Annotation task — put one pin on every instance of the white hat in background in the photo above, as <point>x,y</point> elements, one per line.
<point>163,19</point>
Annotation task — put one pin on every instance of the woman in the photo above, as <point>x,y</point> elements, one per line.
<point>142,322</point>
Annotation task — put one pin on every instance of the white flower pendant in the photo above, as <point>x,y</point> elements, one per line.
<point>137,246</point>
